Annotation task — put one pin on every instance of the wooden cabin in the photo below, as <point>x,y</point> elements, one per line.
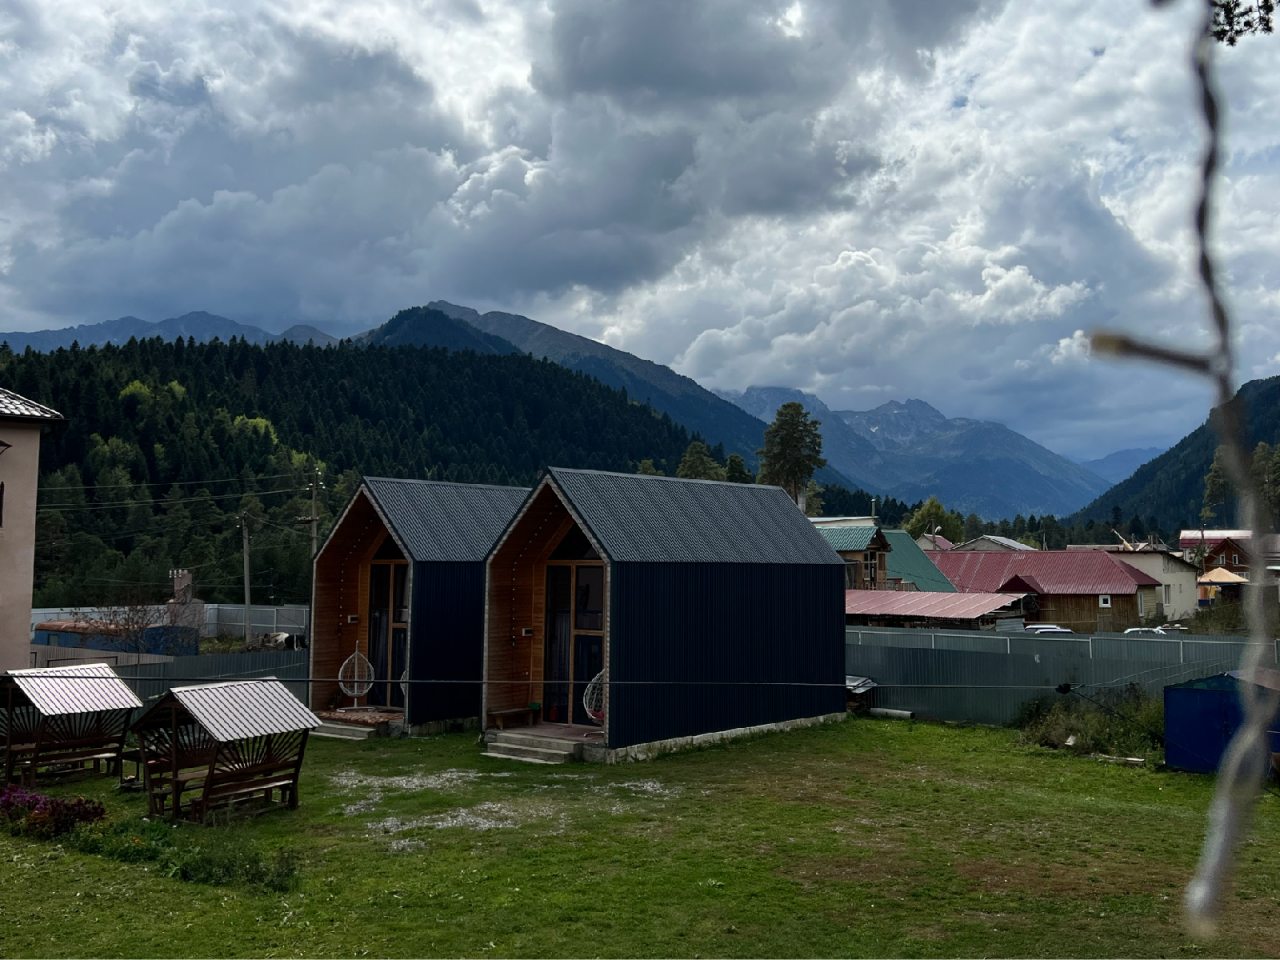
<point>702,606</point>
<point>63,718</point>
<point>223,744</point>
<point>400,579</point>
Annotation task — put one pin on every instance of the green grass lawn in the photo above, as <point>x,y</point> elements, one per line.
<point>875,838</point>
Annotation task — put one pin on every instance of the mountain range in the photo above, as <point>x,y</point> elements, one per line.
<point>1120,465</point>
<point>905,449</point>
<point>198,324</point>
<point>913,451</point>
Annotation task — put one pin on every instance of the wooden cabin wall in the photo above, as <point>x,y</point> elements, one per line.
<point>342,590</point>
<point>1083,615</point>
<point>516,601</point>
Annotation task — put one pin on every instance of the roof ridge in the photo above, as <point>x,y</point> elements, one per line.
<point>445,483</point>
<point>651,476</point>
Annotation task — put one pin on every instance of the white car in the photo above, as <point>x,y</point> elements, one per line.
<point>1042,628</point>
<point>1145,632</point>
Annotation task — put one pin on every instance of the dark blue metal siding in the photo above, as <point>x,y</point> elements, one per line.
<point>446,642</point>
<point>696,648</point>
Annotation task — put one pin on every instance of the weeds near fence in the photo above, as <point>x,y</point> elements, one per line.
<point>1123,721</point>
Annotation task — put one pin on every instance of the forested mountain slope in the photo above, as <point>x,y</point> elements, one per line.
<point>1168,492</point>
<point>167,443</point>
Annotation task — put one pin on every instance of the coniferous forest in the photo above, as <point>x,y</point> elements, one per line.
<point>169,446</point>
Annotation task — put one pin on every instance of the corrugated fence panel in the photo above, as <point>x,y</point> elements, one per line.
<point>153,679</point>
<point>934,676</point>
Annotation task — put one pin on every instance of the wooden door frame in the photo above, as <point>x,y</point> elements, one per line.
<point>574,566</point>
<point>392,623</point>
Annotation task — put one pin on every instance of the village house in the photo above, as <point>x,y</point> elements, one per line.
<point>1177,594</point>
<point>1086,591</point>
<point>21,422</point>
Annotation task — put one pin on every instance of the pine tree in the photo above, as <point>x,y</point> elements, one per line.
<point>792,450</point>
<point>698,464</point>
<point>735,470</point>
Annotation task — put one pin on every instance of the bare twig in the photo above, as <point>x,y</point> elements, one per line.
<point>1240,776</point>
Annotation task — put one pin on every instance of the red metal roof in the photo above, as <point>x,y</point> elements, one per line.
<point>1047,572</point>
<point>916,603</point>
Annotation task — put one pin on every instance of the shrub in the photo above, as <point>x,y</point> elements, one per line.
<point>1114,721</point>
<point>29,813</point>
<point>220,862</point>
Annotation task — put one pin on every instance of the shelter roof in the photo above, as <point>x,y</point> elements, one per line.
<point>1221,575</point>
<point>644,519</point>
<point>848,538</point>
<point>15,407</point>
<point>906,561</point>
<point>934,541</point>
<point>918,603</point>
<point>444,522</point>
<point>78,688</point>
<point>239,709</point>
<point>1063,572</point>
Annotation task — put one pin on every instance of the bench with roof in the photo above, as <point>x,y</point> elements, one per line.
<point>220,745</point>
<point>59,719</point>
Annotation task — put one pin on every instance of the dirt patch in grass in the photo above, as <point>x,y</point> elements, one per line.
<point>1112,877</point>
<point>878,867</point>
<point>375,788</point>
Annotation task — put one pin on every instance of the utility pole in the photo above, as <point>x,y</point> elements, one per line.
<point>244,538</point>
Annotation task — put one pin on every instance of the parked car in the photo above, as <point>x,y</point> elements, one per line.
<point>1145,632</point>
<point>1040,629</point>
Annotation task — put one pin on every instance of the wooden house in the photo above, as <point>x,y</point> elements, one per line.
<point>400,579</point>
<point>864,550</point>
<point>1086,591</point>
<point>696,607</point>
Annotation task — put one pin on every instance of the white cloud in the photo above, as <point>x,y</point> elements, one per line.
<point>875,201</point>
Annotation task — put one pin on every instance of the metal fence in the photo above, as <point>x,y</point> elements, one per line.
<point>218,618</point>
<point>987,678</point>
<point>153,679</point>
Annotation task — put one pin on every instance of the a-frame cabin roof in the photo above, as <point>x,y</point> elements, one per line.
<point>444,522</point>
<point>636,518</point>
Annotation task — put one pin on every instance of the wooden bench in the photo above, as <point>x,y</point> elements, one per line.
<point>25,759</point>
<point>229,787</point>
<point>498,718</point>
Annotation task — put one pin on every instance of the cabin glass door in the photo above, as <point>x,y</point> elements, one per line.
<point>388,632</point>
<point>574,650</point>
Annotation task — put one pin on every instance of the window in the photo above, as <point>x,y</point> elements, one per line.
<point>869,567</point>
<point>850,575</point>
<point>1168,594</point>
<point>1104,600</point>
<point>1235,559</point>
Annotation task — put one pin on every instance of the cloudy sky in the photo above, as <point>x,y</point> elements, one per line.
<point>871,201</point>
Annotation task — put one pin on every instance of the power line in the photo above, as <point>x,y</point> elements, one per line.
<point>171,483</point>
<point>120,504</point>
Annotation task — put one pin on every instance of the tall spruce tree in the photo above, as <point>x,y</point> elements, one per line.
<point>792,450</point>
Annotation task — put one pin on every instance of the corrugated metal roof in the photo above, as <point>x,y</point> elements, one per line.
<point>906,561</point>
<point>79,688</point>
<point>445,522</point>
<point>848,538</point>
<point>239,709</point>
<point>1063,572</point>
<point>644,519</point>
<point>917,603</point>
<point>1004,543</point>
<point>20,408</point>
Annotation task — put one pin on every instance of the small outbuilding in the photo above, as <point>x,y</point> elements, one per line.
<point>63,717</point>
<point>694,607</point>
<point>221,744</point>
<point>1201,716</point>
<point>400,580</point>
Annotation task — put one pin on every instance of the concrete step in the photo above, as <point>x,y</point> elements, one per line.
<point>343,731</point>
<point>530,754</point>
<point>525,739</point>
